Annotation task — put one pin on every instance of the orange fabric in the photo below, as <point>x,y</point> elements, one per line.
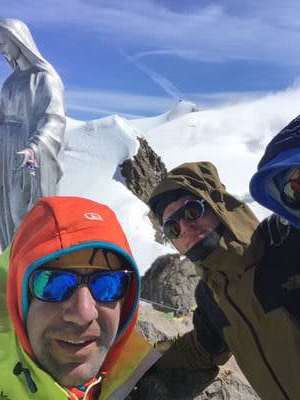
<point>54,224</point>
<point>114,354</point>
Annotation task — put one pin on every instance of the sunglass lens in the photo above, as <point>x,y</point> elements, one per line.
<point>52,285</point>
<point>110,286</point>
<point>193,210</point>
<point>292,192</point>
<point>171,229</point>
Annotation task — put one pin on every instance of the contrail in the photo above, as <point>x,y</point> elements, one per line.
<point>160,80</point>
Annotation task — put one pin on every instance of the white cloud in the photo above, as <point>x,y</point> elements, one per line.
<point>220,31</point>
<point>217,99</point>
<point>109,102</point>
<point>105,102</point>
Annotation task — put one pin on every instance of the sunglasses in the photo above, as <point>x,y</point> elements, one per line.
<point>291,189</point>
<point>192,210</point>
<point>55,285</point>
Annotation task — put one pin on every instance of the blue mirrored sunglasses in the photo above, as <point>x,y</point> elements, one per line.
<point>54,285</point>
<point>190,211</point>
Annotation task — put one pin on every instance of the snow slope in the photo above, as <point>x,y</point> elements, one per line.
<point>179,109</point>
<point>232,137</point>
<point>92,153</point>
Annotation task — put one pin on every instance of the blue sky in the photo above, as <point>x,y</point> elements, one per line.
<point>137,57</point>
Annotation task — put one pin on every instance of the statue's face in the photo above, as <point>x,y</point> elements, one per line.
<point>7,47</point>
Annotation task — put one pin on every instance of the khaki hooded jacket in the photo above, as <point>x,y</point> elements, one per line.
<point>248,296</point>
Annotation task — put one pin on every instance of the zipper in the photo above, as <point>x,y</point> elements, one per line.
<point>18,370</point>
<point>256,339</point>
<point>86,395</point>
<point>72,396</point>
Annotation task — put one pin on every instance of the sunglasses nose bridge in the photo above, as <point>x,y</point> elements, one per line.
<point>81,307</point>
<point>83,280</point>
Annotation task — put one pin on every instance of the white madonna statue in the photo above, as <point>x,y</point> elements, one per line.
<point>32,126</point>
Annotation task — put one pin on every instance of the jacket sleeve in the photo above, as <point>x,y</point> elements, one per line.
<point>189,363</point>
<point>204,348</point>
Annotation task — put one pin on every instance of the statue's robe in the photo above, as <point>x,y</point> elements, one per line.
<point>31,116</point>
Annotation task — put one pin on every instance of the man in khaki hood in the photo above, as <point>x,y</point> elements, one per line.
<point>247,299</point>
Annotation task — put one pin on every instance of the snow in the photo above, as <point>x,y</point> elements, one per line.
<point>179,109</point>
<point>92,153</point>
<point>233,137</point>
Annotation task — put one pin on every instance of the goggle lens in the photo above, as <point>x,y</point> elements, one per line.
<point>59,285</point>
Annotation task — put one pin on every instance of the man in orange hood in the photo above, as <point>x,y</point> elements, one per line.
<point>72,295</point>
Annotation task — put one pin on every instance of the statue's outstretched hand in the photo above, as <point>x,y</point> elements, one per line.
<point>29,160</point>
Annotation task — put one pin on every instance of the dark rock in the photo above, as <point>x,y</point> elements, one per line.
<point>228,387</point>
<point>144,172</point>
<point>151,332</point>
<point>171,281</point>
<point>184,384</point>
<point>157,326</point>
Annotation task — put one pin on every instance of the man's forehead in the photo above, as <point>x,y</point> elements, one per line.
<point>88,258</point>
<point>175,205</point>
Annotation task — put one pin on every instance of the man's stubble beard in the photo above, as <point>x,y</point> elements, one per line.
<point>62,372</point>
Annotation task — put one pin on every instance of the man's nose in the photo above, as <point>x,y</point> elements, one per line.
<point>186,226</point>
<point>81,307</point>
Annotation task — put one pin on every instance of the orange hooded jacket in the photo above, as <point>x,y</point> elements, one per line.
<point>60,225</point>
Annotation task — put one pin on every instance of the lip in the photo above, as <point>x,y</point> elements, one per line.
<point>76,348</point>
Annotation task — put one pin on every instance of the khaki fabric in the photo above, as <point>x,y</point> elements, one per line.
<point>266,345</point>
<point>88,258</point>
<point>202,179</point>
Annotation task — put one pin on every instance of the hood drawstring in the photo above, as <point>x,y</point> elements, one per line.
<point>29,381</point>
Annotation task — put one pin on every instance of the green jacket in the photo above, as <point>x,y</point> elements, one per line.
<point>253,278</point>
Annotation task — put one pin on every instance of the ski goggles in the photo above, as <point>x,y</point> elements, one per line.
<point>190,212</point>
<point>55,285</point>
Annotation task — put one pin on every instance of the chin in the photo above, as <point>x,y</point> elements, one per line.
<point>78,375</point>
<point>191,245</point>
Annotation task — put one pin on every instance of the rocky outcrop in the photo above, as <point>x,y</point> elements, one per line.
<point>230,384</point>
<point>171,281</point>
<point>144,171</point>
